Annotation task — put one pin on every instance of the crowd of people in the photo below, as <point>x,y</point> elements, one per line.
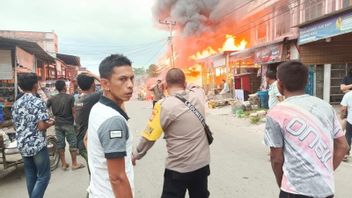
<point>303,132</point>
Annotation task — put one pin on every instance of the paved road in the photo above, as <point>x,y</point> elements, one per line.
<point>239,167</point>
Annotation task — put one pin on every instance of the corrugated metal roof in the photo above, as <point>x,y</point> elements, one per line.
<point>30,47</point>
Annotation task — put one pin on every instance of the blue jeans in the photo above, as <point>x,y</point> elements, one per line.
<point>37,171</point>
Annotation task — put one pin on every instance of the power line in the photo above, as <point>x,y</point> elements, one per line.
<point>157,54</point>
<point>125,45</point>
<point>235,9</point>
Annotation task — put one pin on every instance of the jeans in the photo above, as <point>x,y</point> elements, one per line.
<point>176,184</point>
<point>37,171</point>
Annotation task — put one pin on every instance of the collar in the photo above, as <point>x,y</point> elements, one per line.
<point>181,92</point>
<point>106,101</point>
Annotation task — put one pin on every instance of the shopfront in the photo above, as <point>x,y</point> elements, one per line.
<point>326,46</point>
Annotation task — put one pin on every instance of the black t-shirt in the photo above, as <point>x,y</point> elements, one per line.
<point>82,107</point>
<point>61,106</point>
<point>347,80</point>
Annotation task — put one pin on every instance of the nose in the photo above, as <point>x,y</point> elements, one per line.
<point>130,84</point>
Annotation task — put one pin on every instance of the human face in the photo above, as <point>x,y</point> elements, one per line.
<point>119,87</point>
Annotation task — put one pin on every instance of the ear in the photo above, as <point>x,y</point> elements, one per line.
<point>280,86</point>
<point>105,84</point>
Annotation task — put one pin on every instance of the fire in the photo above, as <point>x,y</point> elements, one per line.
<point>203,54</point>
<point>230,44</point>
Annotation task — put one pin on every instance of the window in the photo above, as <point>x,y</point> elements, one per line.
<point>282,25</point>
<point>346,3</point>
<point>261,32</point>
<point>313,9</point>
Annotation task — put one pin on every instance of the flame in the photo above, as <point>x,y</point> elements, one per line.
<point>203,54</point>
<point>230,44</point>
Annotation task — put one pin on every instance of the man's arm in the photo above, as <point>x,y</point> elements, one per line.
<point>44,125</point>
<point>345,88</point>
<point>277,161</point>
<point>118,178</point>
<point>85,140</point>
<point>343,112</point>
<point>150,134</point>
<point>340,150</point>
<point>143,146</point>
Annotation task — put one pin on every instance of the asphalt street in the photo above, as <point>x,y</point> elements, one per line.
<point>239,163</point>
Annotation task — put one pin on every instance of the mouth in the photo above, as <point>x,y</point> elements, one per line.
<point>129,94</point>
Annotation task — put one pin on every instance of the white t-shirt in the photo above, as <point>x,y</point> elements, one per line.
<point>273,94</point>
<point>305,127</point>
<point>347,102</point>
<point>108,138</point>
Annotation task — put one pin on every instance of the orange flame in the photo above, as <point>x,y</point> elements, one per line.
<point>229,45</point>
<point>203,54</point>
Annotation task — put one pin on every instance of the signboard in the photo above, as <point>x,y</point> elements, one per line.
<point>326,28</point>
<point>269,54</point>
<point>6,70</point>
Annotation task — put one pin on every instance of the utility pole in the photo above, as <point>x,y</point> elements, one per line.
<point>171,24</point>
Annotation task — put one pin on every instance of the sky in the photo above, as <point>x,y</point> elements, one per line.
<point>91,29</point>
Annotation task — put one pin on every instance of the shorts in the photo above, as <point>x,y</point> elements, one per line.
<point>69,132</point>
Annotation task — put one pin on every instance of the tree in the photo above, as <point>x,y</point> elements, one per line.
<point>152,70</point>
<point>139,71</point>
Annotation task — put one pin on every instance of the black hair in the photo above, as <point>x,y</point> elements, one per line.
<point>60,85</point>
<point>115,60</point>
<point>84,82</point>
<point>293,75</point>
<point>26,81</point>
<point>175,76</point>
<point>270,74</point>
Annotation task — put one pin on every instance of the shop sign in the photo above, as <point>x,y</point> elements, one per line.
<point>326,28</point>
<point>269,54</point>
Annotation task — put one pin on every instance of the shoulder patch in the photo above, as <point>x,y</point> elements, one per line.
<point>115,134</point>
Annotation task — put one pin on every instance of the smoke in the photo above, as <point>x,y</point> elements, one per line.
<point>192,16</point>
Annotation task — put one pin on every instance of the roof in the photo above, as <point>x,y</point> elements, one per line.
<point>69,59</point>
<point>31,47</point>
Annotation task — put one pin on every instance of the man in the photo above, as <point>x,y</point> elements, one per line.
<point>305,138</point>
<point>225,87</point>
<point>187,163</point>
<point>346,109</point>
<point>31,119</point>
<point>158,91</point>
<point>274,95</point>
<point>109,140</point>
<point>84,103</point>
<point>62,106</point>
<point>346,84</point>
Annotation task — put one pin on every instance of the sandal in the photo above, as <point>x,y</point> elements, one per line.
<point>78,166</point>
<point>65,167</point>
<point>345,159</point>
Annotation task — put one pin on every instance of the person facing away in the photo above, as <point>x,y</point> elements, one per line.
<point>187,163</point>
<point>109,139</point>
<point>31,119</point>
<point>346,84</point>
<point>346,109</point>
<point>225,87</point>
<point>62,107</point>
<point>274,95</point>
<point>158,91</point>
<point>83,106</point>
<point>305,138</point>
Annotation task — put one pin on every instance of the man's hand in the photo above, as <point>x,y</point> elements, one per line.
<point>90,74</point>
<point>134,160</point>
